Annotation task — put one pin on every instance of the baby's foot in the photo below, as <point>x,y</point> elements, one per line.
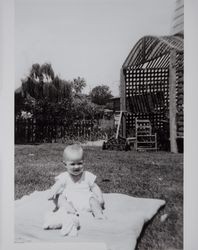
<point>45,226</point>
<point>100,216</point>
<point>55,209</point>
<point>66,229</point>
<point>73,232</point>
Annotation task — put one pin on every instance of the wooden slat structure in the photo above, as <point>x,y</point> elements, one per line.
<point>53,130</point>
<point>178,18</point>
<point>145,139</point>
<point>145,85</point>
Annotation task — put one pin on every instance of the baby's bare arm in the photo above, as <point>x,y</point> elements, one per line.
<point>56,189</point>
<point>97,191</point>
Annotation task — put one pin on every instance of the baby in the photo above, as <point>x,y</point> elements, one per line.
<point>76,189</point>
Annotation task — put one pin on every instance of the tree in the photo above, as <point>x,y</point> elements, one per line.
<point>64,89</point>
<point>35,73</point>
<point>19,101</point>
<point>42,83</point>
<point>82,108</point>
<point>47,72</point>
<point>78,84</point>
<point>100,94</point>
<point>46,96</point>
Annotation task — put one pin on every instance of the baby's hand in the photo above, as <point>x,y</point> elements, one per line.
<point>103,205</point>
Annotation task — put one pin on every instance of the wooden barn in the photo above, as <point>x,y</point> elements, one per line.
<point>152,87</point>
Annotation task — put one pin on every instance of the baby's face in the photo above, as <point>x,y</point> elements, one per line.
<point>74,163</point>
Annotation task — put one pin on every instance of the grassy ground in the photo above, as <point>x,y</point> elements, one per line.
<point>152,175</point>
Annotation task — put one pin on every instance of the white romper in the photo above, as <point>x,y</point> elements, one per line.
<point>79,193</point>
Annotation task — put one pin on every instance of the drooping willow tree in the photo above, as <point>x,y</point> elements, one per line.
<point>47,95</point>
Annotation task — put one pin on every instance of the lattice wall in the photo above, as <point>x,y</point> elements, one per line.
<point>154,67</point>
<point>180,93</point>
<point>147,96</point>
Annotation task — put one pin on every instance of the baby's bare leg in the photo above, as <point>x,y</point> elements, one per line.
<point>96,208</point>
<point>62,202</point>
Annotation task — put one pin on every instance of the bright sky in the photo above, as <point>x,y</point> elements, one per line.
<point>86,38</point>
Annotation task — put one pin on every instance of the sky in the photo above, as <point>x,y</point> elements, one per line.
<point>86,38</point>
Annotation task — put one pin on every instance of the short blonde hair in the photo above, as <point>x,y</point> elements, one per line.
<point>72,149</point>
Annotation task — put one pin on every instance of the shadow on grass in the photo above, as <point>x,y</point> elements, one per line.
<point>146,226</point>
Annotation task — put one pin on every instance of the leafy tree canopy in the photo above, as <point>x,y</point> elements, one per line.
<point>78,84</point>
<point>100,94</point>
<point>46,96</point>
<point>42,83</point>
<point>47,72</point>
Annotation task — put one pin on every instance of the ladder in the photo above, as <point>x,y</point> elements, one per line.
<point>119,124</point>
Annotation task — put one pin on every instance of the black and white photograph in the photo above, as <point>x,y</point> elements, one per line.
<point>99,123</point>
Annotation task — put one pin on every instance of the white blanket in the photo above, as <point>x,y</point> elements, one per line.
<point>126,216</point>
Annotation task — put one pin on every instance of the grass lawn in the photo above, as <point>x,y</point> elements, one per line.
<point>140,174</point>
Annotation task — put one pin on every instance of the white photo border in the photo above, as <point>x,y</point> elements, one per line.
<point>7,74</point>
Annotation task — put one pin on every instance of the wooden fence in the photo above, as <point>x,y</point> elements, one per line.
<point>54,130</point>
